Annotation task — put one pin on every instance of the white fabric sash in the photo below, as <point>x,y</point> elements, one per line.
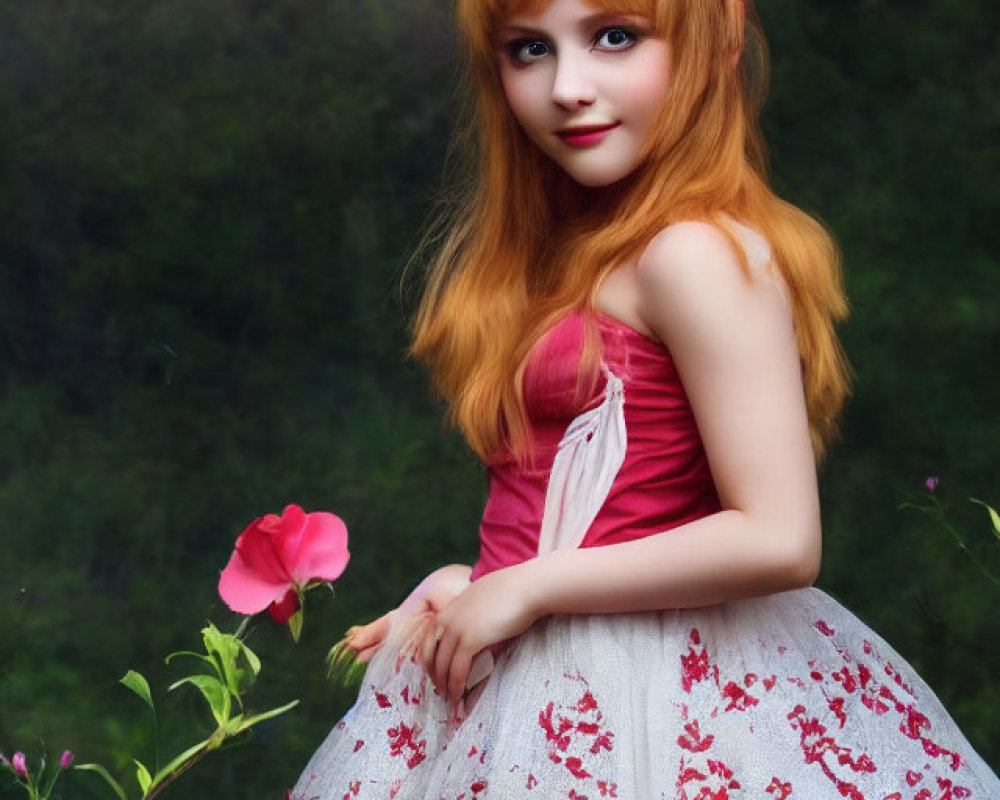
<point>586,464</point>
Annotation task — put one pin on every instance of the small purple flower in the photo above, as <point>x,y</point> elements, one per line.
<point>4,761</point>
<point>66,759</point>
<point>931,483</point>
<point>19,764</point>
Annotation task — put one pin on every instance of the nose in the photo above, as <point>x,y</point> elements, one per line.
<point>572,87</point>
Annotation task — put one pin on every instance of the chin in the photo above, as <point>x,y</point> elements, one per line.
<point>597,172</point>
<point>596,178</point>
<point>599,180</point>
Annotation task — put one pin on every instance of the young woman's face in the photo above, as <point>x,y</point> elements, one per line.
<point>585,85</point>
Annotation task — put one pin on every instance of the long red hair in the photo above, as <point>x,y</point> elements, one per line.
<point>499,276</point>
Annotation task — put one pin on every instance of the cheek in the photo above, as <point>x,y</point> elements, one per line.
<point>648,87</point>
<point>647,97</point>
<point>522,94</point>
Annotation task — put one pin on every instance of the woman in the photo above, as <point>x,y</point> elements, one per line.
<point>636,335</point>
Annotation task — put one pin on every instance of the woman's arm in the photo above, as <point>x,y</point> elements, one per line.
<point>732,338</point>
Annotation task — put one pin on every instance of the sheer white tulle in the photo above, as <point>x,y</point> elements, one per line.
<point>785,696</point>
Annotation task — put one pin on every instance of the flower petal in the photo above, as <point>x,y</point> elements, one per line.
<point>245,590</point>
<point>322,553</point>
<point>284,609</point>
<point>259,548</point>
<point>19,764</point>
<point>288,540</point>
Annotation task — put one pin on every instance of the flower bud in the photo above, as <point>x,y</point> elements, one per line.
<point>19,764</point>
<point>66,759</point>
<point>284,609</point>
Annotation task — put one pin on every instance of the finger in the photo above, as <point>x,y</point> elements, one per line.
<point>364,656</point>
<point>366,652</point>
<point>442,660</point>
<point>361,640</point>
<point>434,636</point>
<point>458,673</point>
<point>371,634</point>
<point>428,645</point>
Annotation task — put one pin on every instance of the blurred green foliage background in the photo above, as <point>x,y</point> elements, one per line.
<point>204,213</point>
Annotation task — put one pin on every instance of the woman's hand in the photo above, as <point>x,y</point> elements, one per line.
<point>365,640</point>
<point>433,593</point>
<point>495,608</point>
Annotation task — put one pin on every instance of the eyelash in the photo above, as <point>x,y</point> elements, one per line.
<point>631,36</point>
<point>516,47</point>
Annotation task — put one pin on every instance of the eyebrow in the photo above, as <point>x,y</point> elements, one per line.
<point>586,24</point>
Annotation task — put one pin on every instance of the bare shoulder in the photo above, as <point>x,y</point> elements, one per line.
<point>692,241</point>
<point>703,249</point>
<point>729,328</point>
<point>692,274</point>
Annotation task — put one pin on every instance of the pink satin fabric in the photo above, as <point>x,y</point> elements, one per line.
<point>664,481</point>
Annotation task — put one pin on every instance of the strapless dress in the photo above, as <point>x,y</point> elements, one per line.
<point>770,698</point>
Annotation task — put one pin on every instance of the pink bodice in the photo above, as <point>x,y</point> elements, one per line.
<point>664,480</point>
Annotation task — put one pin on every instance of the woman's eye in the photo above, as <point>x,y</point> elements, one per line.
<point>615,39</point>
<point>527,51</point>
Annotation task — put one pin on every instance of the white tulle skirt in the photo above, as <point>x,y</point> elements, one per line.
<point>785,696</point>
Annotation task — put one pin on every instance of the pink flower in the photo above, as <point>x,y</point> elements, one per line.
<point>19,765</point>
<point>66,759</point>
<point>931,483</point>
<point>277,555</point>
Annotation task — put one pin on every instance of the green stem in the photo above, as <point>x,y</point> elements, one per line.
<point>29,784</point>
<point>242,628</point>
<point>159,787</point>
<point>156,744</point>
<point>936,512</point>
<point>958,540</point>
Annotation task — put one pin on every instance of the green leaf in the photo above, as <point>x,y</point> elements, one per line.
<point>180,761</point>
<point>213,691</point>
<point>138,684</point>
<point>251,658</point>
<point>274,712</point>
<point>188,654</point>
<point>143,776</point>
<point>100,770</point>
<point>226,648</point>
<point>216,641</point>
<point>295,624</point>
<point>233,726</point>
<point>994,516</point>
<point>45,786</point>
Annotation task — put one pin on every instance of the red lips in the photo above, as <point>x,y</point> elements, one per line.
<point>585,135</point>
